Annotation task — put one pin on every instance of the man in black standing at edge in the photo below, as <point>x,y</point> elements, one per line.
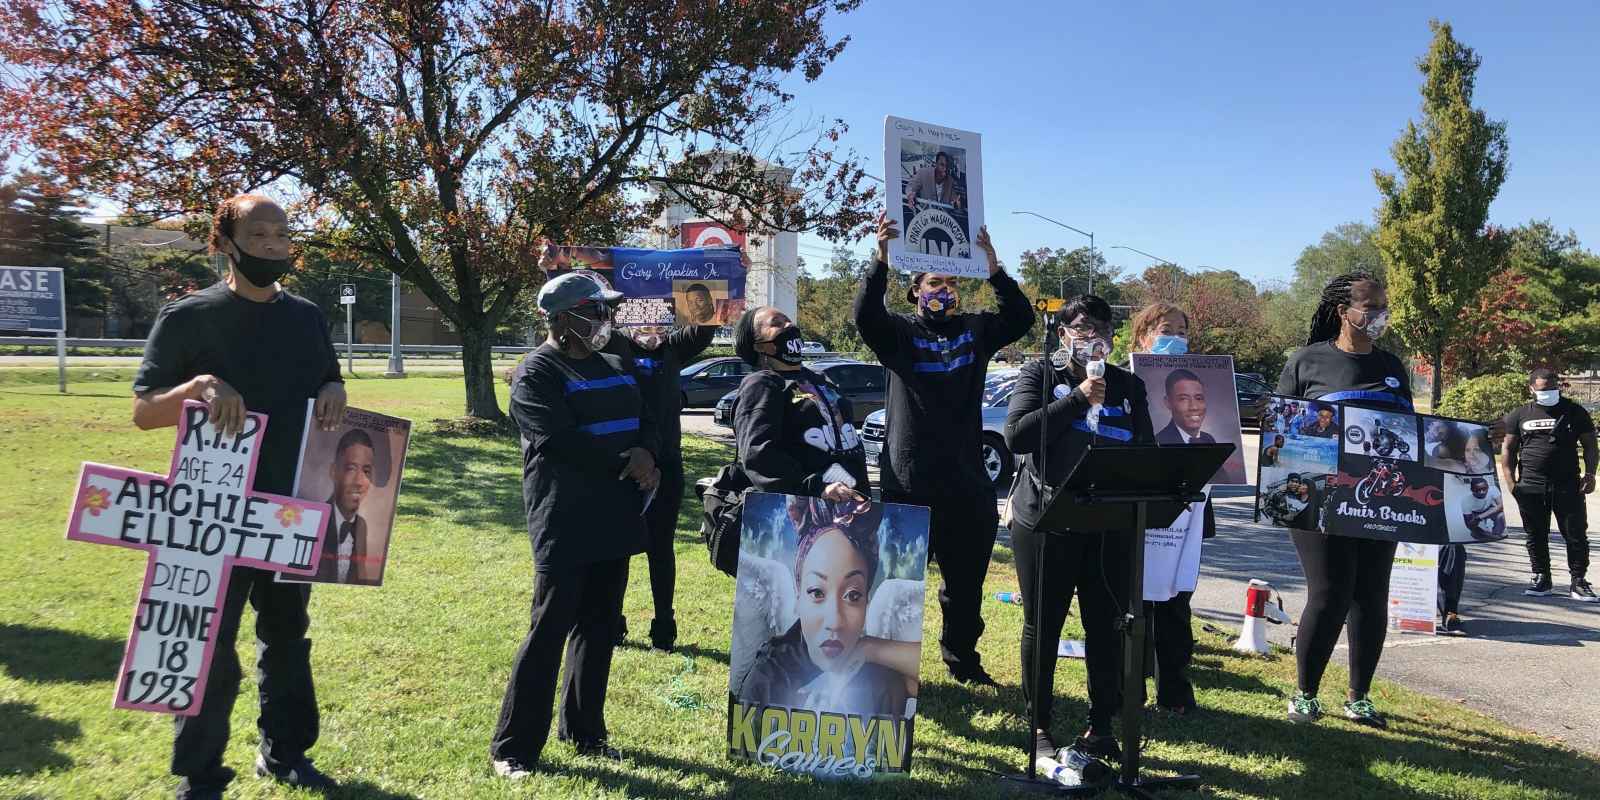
<point>1541,465</point>
<point>589,474</point>
<point>932,454</point>
<point>245,344</point>
<point>657,359</point>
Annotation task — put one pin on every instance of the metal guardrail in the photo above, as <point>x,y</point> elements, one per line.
<point>138,344</point>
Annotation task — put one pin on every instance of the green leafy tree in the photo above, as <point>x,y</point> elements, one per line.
<point>1433,227</point>
<point>1048,270</point>
<point>451,138</point>
<point>1542,309</point>
<point>41,226</point>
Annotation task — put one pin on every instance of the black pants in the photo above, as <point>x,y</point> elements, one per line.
<point>576,609</point>
<point>288,720</point>
<point>1347,583</point>
<point>1095,565</point>
<point>1565,503</point>
<point>961,540</point>
<point>1452,577</point>
<point>1169,647</point>
<point>661,522</point>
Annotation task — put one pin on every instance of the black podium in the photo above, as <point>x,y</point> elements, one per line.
<point>1124,488</point>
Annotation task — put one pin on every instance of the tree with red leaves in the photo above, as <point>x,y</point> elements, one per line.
<point>445,140</point>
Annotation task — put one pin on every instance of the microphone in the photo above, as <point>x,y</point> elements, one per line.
<point>1095,369</point>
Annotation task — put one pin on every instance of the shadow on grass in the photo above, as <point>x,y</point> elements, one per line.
<point>31,740</point>
<point>361,790</point>
<point>48,655</point>
<point>478,479</point>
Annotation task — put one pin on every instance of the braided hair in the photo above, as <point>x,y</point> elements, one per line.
<point>1325,322</point>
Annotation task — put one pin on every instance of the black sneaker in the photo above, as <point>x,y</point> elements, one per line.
<point>973,675</point>
<point>1363,712</point>
<point>1583,592</point>
<point>1451,625</point>
<point>1539,586</point>
<point>204,788</point>
<point>663,634</point>
<point>1099,745</point>
<point>1091,771</point>
<point>599,749</point>
<point>301,775</point>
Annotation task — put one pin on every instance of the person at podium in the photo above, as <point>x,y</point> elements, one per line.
<point>1058,398</point>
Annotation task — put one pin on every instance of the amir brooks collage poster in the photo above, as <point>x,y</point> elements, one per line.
<point>827,635</point>
<point>1377,474</point>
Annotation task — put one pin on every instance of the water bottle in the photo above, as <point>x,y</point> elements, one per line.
<point>1014,598</point>
<point>1095,369</point>
<point>1054,770</point>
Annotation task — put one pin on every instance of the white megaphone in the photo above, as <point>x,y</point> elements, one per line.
<point>1259,609</point>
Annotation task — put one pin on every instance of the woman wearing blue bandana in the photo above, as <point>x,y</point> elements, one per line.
<point>1347,578</point>
<point>1081,409</point>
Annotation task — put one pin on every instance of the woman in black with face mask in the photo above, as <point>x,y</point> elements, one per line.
<point>793,430</point>
<point>1347,578</point>
<point>1086,401</point>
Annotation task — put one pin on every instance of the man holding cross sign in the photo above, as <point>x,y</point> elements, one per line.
<point>245,345</point>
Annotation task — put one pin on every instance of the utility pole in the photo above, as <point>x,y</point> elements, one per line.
<point>397,364</point>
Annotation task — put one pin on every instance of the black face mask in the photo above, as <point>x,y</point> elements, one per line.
<point>261,272</point>
<point>788,346</point>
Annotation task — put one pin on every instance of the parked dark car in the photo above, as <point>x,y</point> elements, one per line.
<point>861,384</point>
<point>704,382</point>
<point>1250,391</point>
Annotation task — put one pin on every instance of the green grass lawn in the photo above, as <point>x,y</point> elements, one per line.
<point>409,676</point>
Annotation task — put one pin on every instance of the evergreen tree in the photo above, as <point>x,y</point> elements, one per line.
<point>1433,227</point>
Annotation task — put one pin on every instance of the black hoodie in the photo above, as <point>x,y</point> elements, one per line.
<point>936,371</point>
<point>658,381</point>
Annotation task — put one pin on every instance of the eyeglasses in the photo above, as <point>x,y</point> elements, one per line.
<point>1082,331</point>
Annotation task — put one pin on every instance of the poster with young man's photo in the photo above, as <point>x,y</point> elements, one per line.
<point>1297,462</point>
<point>934,184</point>
<point>355,469</point>
<point>1378,474</point>
<point>662,288</point>
<point>1193,400</point>
<point>827,635</point>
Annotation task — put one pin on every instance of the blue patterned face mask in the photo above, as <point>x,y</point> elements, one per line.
<point>1170,345</point>
<point>937,304</point>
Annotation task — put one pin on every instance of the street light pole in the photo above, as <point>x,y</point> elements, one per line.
<point>1093,260</point>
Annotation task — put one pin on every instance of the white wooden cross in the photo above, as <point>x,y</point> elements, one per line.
<point>196,523</point>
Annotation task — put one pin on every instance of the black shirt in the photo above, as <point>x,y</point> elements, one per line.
<point>657,371</point>
<point>1124,419</point>
<point>934,403</point>
<point>276,355</point>
<point>1547,442</point>
<point>577,419</point>
<point>790,428</point>
<point>1324,372</point>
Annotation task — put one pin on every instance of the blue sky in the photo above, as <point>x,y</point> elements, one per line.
<point>1222,135</point>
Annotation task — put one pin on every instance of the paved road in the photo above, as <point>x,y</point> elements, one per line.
<point>1533,663</point>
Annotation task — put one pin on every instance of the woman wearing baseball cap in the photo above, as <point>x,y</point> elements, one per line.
<point>588,474</point>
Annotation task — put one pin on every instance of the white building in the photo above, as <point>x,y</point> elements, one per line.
<point>774,258</point>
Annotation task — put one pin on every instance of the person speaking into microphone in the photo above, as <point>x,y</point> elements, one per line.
<point>1075,399</point>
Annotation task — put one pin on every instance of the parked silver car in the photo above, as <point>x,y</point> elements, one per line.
<point>997,458</point>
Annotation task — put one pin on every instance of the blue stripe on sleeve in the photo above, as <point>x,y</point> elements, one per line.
<point>936,366</point>
<point>611,426</point>
<point>600,383</point>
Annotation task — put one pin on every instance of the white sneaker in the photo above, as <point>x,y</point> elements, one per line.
<point>512,770</point>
